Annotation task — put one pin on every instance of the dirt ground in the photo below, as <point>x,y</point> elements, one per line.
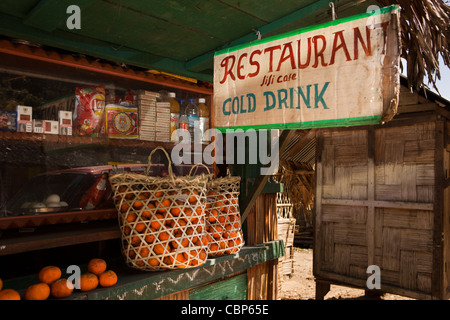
<point>301,286</point>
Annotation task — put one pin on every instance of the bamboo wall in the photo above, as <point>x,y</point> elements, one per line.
<point>379,201</point>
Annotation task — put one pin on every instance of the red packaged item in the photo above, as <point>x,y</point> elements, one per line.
<point>88,119</point>
<point>94,194</point>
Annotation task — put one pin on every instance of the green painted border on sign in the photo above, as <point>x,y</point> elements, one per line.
<point>310,28</point>
<point>359,121</point>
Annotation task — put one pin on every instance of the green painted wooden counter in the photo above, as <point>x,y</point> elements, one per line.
<point>139,285</point>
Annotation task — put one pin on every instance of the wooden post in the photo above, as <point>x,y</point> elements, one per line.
<point>262,227</point>
<point>437,275</point>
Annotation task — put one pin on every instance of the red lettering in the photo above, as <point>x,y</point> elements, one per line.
<point>240,66</point>
<point>340,35</point>
<point>308,59</point>
<point>228,69</point>
<point>366,46</point>
<point>290,56</point>
<point>254,63</point>
<point>319,53</point>
<point>271,50</point>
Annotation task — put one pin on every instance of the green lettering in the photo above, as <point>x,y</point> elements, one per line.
<point>251,96</point>
<point>319,97</point>
<point>225,112</point>
<point>307,99</point>
<point>282,101</point>
<point>269,106</point>
<point>235,110</point>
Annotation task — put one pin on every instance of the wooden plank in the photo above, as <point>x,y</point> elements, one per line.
<point>232,288</point>
<point>380,204</point>
<point>180,295</point>
<point>52,237</point>
<point>370,225</point>
<point>318,253</point>
<point>408,98</point>
<point>417,107</point>
<point>328,166</point>
<point>437,288</point>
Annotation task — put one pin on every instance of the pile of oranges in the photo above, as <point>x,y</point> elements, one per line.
<point>52,285</point>
<point>223,223</point>
<point>162,228</point>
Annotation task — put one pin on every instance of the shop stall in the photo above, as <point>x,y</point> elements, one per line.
<point>40,165</point>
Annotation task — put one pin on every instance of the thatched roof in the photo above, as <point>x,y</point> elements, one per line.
<point>425,26</point>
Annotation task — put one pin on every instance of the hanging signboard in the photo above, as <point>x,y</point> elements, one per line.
<point>342,73</point>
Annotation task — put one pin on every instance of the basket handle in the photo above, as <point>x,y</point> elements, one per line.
<point>168,158</point>
<point>196,166</point>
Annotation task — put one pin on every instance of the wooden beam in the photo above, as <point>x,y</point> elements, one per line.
<point>63,39</point>
<point>199,63</point>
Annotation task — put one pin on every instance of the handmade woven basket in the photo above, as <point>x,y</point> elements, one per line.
<point>223,220</point>
<point>161,219</point>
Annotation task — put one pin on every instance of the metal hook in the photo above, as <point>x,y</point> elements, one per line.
<point>258,34</point>
<point>333,11</point>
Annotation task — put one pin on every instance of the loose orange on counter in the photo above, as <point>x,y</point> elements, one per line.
<point>88,281</point>
<point>38,291</point>
<point>9,294</point>
<point>61,288</point>
<point>97,266</point>
<point>49,274</point>
<point>108,278</point>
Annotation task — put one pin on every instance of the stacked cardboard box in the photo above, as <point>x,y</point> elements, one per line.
<point>163,121</point>
<point>146,102</point>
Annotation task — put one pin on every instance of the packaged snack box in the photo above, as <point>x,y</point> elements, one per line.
<point>24,119</point>
<point>65,123</point>
<point>122,122</point>
<point>51,127</point>
<point>8,120</point>
<point>38,126</point>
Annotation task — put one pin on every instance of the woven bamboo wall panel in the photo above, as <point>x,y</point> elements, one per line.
<point>404,242</point>
<point>376,201</point>
<point>345,229</point>
<point>404,163</point>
